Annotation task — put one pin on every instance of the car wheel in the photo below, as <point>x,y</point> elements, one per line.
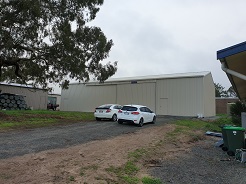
<point>120,122</point>
<point>141,122</point>
<point>114,117</point>
<point>98,119</point>
<point>154,120</point>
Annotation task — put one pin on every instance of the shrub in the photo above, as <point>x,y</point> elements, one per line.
<point>236,110</point>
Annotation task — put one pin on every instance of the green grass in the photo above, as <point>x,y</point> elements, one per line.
<point>205,125</point>
<point>126,173</point>
<point>190,127</point>
<point>18,119</point>
<point>137,154</point>
<point>148,180</point>
<point>71,178</point>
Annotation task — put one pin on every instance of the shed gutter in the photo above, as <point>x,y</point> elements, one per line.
<point>236,74</point>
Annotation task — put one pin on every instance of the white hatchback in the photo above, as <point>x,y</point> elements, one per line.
<point>137,114</point>
<point>107,111</point>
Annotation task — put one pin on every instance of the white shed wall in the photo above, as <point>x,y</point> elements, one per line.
<point>209,96</point>
<point>86,98</point>
<point>36,98</point>
<point>139,93</point>
<point>180,97</point>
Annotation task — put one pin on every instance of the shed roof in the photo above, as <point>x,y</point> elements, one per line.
<point>233,63</point>
<point>19,85</point>
<point>163,76</point>
<point>153,77</point>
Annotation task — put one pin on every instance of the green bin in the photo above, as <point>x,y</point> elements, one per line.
<point>224,136</point>
<point>235,138</point>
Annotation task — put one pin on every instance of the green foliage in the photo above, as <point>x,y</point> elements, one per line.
<point>235,111</point>
<point>220,90</point>
<point>148,180</point>
<point>44,42</point>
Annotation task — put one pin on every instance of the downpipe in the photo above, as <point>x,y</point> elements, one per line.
<point>236,74</point>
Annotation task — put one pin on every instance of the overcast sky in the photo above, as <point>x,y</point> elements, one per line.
<point>171,36</point>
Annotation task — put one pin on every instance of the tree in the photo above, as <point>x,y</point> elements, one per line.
<point>231,92</point>
<point>43,42</point>
<point>220,90</point>
<point>236,111</point>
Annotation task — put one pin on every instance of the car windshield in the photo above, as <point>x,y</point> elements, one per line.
<point>104,107</point>
<point>129,108</point>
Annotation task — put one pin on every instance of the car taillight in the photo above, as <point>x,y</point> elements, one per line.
<point>135,113</point>
<point>119,111</point>
<point>108,110</point>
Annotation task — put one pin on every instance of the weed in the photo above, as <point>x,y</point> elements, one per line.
<point>137,154</point>
<point>71,178</point>
<point>125,173</point>
<point>130,180</point>
<point>130,168</point>
<point>148,180</point>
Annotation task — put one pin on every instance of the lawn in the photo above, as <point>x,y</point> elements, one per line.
<point>19,119</point>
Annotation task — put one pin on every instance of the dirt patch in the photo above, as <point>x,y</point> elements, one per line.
<point>87,163</point>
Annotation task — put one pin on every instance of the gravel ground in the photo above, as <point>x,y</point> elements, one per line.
<point>18,143</point>
<point>202,163</point>
<point>205,163</point>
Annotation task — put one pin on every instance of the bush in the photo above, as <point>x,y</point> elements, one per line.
<point>236,110</point>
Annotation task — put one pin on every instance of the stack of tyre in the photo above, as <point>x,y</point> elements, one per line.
<point>12,102</point>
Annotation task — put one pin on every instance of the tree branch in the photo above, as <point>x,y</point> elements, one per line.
<point>14,62</point>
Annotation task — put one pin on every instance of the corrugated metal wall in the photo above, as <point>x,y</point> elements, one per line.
<point>179,97</point>
<point>86,98</point>
<point>209,96</point>
<point>137,93</point>
<point>36,98</point>
<point>188,96</point>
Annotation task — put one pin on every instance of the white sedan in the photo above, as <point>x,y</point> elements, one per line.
<point>107,111</point>
<point>137,114</point>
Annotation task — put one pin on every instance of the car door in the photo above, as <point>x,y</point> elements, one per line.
<point>144,114</point>
<point>149,114</point>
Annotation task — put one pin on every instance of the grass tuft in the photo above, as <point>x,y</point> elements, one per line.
<point>148,180</point>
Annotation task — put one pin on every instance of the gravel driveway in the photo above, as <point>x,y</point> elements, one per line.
<point>204,164</point>
<point>18,143</point>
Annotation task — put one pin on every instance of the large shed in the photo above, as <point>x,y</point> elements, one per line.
<point>184,94</point>
<point>34,97</point>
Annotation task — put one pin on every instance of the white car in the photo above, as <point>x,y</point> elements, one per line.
<point>107,111</point>
<point>137,114</point>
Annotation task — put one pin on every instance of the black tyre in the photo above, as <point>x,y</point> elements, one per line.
<point>114,117</point>
<point>141,122</point>
<point>98,119</point>
<point>154,120</point>
<point>120,122</point>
